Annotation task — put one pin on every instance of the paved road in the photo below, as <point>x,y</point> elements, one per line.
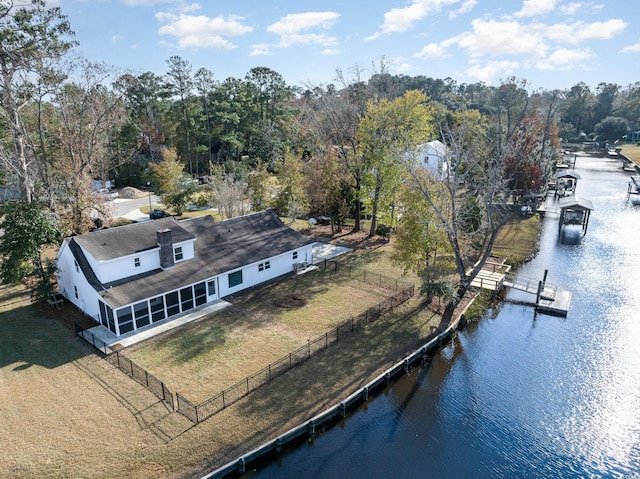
<point>130,209</point>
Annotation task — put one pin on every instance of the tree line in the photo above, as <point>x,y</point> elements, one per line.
<point>348,149</point>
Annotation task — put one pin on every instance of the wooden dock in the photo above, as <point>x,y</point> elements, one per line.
<point>530,285</point>
<point>558,306</point>
<point>547,297</point>
<point>492,274</point>
<point>491,280</point>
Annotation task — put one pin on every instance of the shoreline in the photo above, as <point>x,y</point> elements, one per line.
<point>327,418</point>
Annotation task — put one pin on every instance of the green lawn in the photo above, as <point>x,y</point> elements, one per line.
<point>517,239</point>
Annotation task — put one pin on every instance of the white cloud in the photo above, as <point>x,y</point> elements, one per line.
<point>510,44</point>
<point>490,37</point>
<point>261,49</point>
<point>292,28</point>
<point>578,32</point>
<point>491,70</point>
<point>116,39</point>
<point>635,48</point>
<point>331,51</point>
<point>199,31</point>
<point>494,38</point>
<point>565,59</point>
<point>297,22</point>
<point>572,8</point>
<point>398,20</point>
<point>466,7</point>
<point>432,50</point>
<point>531,8</point>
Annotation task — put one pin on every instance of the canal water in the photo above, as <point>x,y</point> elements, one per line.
<point>518,394</point>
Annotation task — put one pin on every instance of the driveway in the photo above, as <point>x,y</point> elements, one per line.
<point>130,208</point>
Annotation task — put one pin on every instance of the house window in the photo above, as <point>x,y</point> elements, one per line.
<point>136,262</point>
<point>173,305</point>
<point>200,293</point>
<point>178,254</point>
<point>141,313</point>
<point>157,308</point>
<point>75,263</point>
<point>263,266</point>
<point>125,319</point>
<point>235,278</point>
<point>211,287</point>
<point>295,255</point>
<point>75,291</point>
<point>186,298</point>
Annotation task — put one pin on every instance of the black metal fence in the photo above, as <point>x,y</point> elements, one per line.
<point>143,377</point>
<point>92,339</point>
<point>366,276</point>
<point>123,363</point>
<point>220,401</point>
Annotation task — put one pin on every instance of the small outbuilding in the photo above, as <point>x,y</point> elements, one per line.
<point>575,211</point>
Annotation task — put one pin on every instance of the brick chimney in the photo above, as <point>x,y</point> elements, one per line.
<point>166,248</point>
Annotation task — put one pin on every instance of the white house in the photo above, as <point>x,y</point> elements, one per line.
<point>434,158</point>
<point>131,276</point>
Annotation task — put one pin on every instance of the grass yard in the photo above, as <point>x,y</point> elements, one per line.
<point>517,239</point>
<point>632,152</point>
<point>202,358</point>
<point>64,412</point>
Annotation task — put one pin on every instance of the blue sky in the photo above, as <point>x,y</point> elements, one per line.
<point>550,43</point>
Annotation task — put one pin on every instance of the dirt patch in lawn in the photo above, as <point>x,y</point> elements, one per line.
<point>295,299</point>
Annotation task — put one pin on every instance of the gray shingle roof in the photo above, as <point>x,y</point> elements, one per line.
<point>220,246</point>
<point>114,243</point>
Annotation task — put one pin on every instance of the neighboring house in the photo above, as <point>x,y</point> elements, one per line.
<point>100,184</point>
<point>434,158</point>
<point>130,276</point>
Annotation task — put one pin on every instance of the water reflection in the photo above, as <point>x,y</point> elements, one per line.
<point>519,394</point>
<point>570,235</point>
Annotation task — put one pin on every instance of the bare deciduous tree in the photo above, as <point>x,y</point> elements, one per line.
<point>30,35</point>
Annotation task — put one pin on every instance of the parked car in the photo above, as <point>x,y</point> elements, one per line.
<point>156,214</point>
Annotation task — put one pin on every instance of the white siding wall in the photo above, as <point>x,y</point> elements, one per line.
<point>187,249</point>
<point>125,266</point>
<point>70,281</point>
<point>251,274</point>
